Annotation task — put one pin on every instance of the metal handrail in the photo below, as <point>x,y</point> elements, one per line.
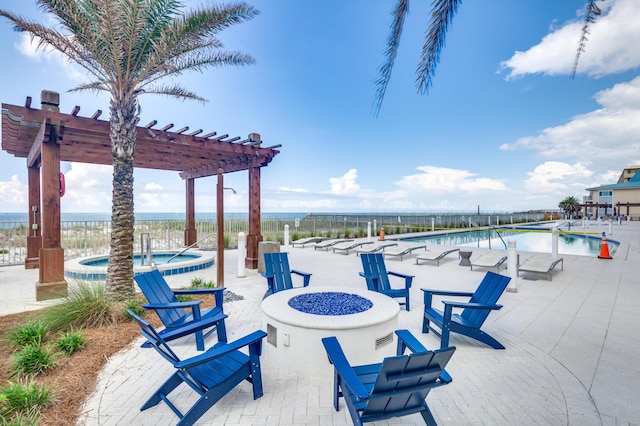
<point>499,236</point>
<point>187,248</point>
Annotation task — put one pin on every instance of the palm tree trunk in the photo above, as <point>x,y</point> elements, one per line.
<point>123,122</point>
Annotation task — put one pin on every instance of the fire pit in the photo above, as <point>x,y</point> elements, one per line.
<point>296,321</point>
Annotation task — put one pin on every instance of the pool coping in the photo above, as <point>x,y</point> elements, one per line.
<point>75,270</point>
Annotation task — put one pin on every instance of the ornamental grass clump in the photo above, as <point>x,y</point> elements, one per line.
<point>28,334</point>
<point>20,403</point>
<point>32,360</point>
<point>70,341</point>
<point>86,305</point>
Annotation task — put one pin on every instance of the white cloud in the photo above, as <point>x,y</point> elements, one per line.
<point>611,46</point>
<point>346,184</point>
<point>286,189</point>
<point>441,180</point>
<point>28,46</point>
<point>153,187</point>
<point>13,195</point>
<point>88,188</point>
<point>605,139</point>
<point>557,178</point>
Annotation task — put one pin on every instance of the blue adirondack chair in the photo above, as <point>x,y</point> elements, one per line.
<point>173,313</point>
<point>377,276</point>
<point>396,387</point>
<point>278,273</point>
<point>211,374</point>
<point>474,313</point>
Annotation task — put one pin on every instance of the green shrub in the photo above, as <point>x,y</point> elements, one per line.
<point>21,397</point>
<point>30,333</point>
<point>33,360</point>
<point>134,304</point>
<point>202,283</point>
<point>71,341</point>
<point>86,305</point>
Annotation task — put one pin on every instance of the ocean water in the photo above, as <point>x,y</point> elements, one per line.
<point>207,216</point>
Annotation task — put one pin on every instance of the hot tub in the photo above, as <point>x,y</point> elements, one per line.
<point>294,337</point>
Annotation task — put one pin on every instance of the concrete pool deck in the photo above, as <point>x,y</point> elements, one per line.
<point>572,352</point>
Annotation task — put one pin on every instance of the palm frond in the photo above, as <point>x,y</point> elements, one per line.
<point>593,11</point>
<point>441,17</point>
<point>400,12</point>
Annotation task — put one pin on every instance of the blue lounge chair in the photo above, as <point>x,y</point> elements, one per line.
<point>377,276</point>
<point>211,374</point>
<point>278,273</point>
<point>396,387</point>
<point>474,313</point>
<point>172,312</point>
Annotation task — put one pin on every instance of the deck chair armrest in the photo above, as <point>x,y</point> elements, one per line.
<point>408,340</point>
<point>200,290</point>
<point>218,293</point>
<point>408,279</point>
<point>465,305</point>
<point>343,368</point>
<point>306,276</point>
<point>428,295</point>
<point>253,339</point>
<point>447,293</point>
<point>172,305</point>
<point>192,327</point>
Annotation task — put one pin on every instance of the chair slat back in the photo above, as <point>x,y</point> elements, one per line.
<point>488,292</point>
<point>157,342</point>
<point>156,290</point>
<point>405,381</point>
<point>373,265</point>
<point>277,266</point>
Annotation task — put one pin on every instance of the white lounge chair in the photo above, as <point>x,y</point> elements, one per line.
<point>326,244</point>
<point>540,264</point>
<point>376,247</point>
<point>344,247</point>
<point>434,255</point>
<point>304,241</point>
<point>492,259</point>
<point>403,250</point>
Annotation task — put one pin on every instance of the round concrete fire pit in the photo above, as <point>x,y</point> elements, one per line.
<point>296,320</point>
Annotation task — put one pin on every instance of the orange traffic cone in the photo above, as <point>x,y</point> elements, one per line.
<point>604,249</point>
<point>382,234</point>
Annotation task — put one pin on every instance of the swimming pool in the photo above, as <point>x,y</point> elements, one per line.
<point>526,239</point>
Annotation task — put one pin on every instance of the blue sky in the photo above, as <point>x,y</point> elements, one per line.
<point>504,126</point>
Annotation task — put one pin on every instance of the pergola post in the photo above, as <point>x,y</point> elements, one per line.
<point>52,283</point>
<point>34,239</point>
<point>255,229</point>
<point>220,229</point>
<point>190,232</point>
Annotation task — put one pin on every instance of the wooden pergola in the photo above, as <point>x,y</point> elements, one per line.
<point>46,136</point>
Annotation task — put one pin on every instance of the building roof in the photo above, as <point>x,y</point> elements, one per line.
<point>633,183</point>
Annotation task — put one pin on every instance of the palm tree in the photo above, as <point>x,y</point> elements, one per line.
<point>127,46</point>
<point>569,205</point>
<point>442,13</point>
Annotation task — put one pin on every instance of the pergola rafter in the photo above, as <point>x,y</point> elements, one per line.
<point>46,136</point>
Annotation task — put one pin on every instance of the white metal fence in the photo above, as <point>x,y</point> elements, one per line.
<point>89,238</point>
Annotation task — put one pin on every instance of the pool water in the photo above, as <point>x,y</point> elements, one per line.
<point>541,242</point>
<point>159,259</point>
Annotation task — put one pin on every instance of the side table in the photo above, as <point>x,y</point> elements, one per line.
<point>464,258</point>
